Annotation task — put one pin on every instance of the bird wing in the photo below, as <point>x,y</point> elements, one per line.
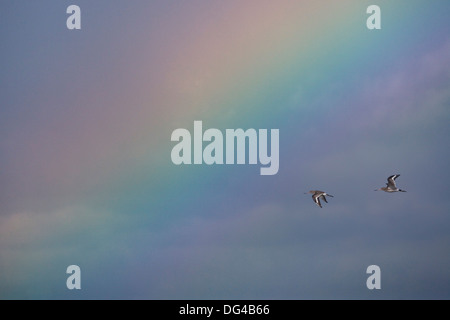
<point>391,181</point>
<point>317,200</point>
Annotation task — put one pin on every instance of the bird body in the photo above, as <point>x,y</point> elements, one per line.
<point>390,185</point>
<point>317,195</point>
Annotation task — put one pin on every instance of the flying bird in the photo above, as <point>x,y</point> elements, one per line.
<point>316,195</point>
<point>390,185</point>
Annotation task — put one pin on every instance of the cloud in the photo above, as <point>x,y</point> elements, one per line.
<point>36,247</point>
<point>274,251</point>
<point>417,93</point>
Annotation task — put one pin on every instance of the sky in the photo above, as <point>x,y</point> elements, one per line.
<point>86,176</point>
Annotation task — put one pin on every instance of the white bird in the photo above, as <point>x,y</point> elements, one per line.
<point>390,185</point>
<point>317,194</point>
